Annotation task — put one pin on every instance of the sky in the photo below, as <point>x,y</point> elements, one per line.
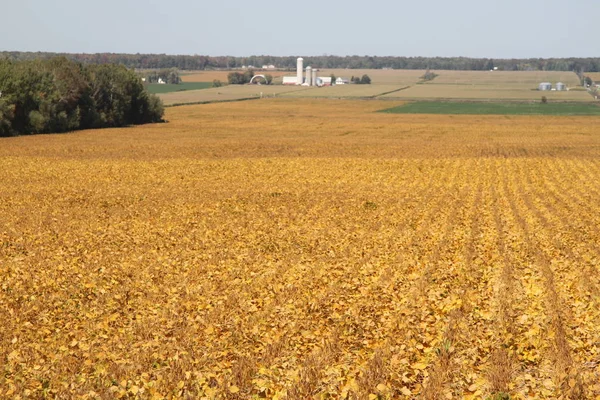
<point>445,28</point>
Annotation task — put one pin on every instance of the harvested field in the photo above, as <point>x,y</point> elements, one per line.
<point>290,248</point>
<point>489,108</point>
<point>168,88</point>
<point>594,75</point>
<point>346,91</point>
<point>524,79</point>
<point>486,92</point>
<point>227,93</point>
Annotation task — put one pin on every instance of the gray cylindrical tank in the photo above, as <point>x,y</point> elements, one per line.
<point>314,77</point>
<point>308,76</point>
<point>561,86</point>
<point>545,86</point>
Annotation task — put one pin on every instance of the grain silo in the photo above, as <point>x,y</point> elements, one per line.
<point>313,81</point>
<point>544,86</point>
<point>299,70</point>
<point>308,76</point>
<point>561,86</point>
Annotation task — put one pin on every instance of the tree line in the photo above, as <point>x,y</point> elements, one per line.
<point>167,75</point>
<point>242,78</point>
<point>59,95</point>
<point>201,62</point>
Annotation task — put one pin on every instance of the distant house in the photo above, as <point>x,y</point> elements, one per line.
<point>342,81</point>
<point>143,79</point>
<point>270,66</point>
<point>160,80</point>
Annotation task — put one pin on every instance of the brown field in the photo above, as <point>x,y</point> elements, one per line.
<point>300,249</point>
<point>524,79</point>
<point>345,91</point>
<point>594,75</point>
<point>458,85</point>
<point>227,93</point>
<point>486,92</point>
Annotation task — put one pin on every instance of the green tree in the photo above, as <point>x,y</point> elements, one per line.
<point>60,95</point>
<point>365,80</point>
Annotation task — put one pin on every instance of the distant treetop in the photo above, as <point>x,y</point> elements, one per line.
<point>202,62</point>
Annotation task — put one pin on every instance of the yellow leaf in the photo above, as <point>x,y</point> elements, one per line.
<point>405,391</point>
<point>382,388</point>
<point>419,366</point>
<point>234,389</point>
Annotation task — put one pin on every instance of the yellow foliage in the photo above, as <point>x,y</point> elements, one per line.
<point>302,249</point>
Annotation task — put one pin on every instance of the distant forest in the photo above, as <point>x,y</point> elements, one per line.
<point>199,62</point>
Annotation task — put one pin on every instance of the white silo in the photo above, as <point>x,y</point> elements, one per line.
<point>299,70</point>
<point>308,76</point>
<point>313,81</point>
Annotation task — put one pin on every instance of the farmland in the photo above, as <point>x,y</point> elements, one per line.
<point>402,85</point>
<point>487,108</point>
<point>168,88</point>
<point>227,93</point>
<point>486,92</point>
<point>524,79</point>
<point>297,248</point>
<point>594,75</point>
<point>346,91</point>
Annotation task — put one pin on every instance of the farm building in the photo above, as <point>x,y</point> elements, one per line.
<point>561,86</point>
<point>290,80</point>
<point>324,81</point>
<point>341,81</point>
<point>545,86</point>
<point>160,81</point>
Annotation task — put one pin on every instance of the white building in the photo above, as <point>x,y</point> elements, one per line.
<point>324,81</point>
<point>341,81</point>
<point>290,80</point>
<point>160,80</point>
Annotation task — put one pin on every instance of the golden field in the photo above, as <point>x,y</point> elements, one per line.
<point>524,79</point>
<point>345,91</point>
<point>227,93</point>
<point>479,92</point>
<point>299,249</point>
<point>397,85</point>
<point>594,75</point>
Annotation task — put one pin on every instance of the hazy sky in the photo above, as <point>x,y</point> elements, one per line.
<point>471,28</point>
